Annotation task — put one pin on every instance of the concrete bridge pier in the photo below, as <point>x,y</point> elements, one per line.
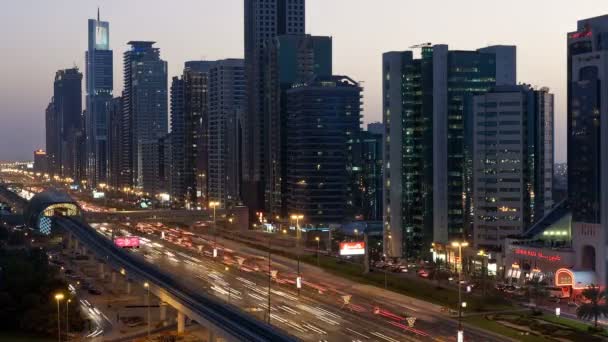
<point>75,245</point>
<point>163,312</point>
<point>181,322</point>
<point>128,281</point>
<point>113,277</point>
<point>101,270</point>
<point>83,250</point>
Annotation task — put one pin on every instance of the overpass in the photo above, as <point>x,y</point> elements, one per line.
<point>223,322</point>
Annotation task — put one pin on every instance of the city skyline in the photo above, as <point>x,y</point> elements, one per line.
<point>25,95</point>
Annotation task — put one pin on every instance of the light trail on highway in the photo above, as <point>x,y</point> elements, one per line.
<point>318,314</point>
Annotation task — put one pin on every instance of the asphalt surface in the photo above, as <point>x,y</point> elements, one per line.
<point>318,313</point>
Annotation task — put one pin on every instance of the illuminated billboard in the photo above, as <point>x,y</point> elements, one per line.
<point>98,194</point>
<point>352,248</point>
<point>127,242</point>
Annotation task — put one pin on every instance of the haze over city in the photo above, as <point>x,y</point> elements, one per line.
<point>39,37</point>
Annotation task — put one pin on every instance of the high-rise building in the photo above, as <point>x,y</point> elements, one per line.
<point>376,128</point>
<point>323,121</point>
<point>289,59</point>
<point>226,99</point>
<point>52,139</point>
<point>512,162</point>
<point>427,152</point>
<point>189,134</point>
<point>145,118</point>
<point>587,139</point>
<point>264,20</point>
<point>67,104</point>
<point>367,176</point>
<point>40,161</point>
<point>99,86</point>
<point>114,146</point>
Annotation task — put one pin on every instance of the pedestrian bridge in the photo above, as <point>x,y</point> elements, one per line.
<point>44,206</point>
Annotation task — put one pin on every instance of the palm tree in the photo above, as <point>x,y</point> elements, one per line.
<point>536,289</point>
<point>596,307</point>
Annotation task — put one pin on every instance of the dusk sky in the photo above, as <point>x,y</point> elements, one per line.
<point>39,37</point>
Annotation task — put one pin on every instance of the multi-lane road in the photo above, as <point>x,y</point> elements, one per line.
<point>318,313</point>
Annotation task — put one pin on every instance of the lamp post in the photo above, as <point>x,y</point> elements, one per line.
<point>58,297</point>
<point>269,279</point>
<point>318,239</point>
<point>214,204</point>
<point>67,319</point>
<point>147,286</point>
<point>297,218</point>
<point>483,256</point>
<point>460,245</point>
<point>227,269</point>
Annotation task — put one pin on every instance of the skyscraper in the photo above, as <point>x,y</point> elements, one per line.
<point>67,105</point>
<point>264,20</point>
<point>427,151</point>
<point>289,59</point>
<point>367,176</point>
<point>114,150</point>
<point>145,118</point>
<point>587,139</point>
<point>226,99</point>
<point>512,162</point>
<point>99,86</point>
<point>52,139</point>
<point>323,120</point>
<point>189,133</point>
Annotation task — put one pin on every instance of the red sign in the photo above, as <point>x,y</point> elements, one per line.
<point>352,248</point>
<point>564,278</point>
<point>538,255</point>
<point>127,242</point>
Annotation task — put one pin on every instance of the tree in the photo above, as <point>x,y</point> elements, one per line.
<point>596,307</point>
<point>536,289</point>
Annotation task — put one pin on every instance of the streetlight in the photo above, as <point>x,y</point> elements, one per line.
<point>147,286</point>
<point>58,297</point>
<point>227,270</point>
<point>297,218</point>
<point>67,319</point>
<point>483,256</point>
<point>460,244</point>
<point>214,204</point>
<point>318,239</point>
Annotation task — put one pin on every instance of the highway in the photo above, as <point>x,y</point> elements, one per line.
<point>237,324</point>
<point>317,314</point>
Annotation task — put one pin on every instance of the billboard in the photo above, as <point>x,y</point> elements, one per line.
<point>127,242</point>
<point>352,248</point>
<point>98,194</point>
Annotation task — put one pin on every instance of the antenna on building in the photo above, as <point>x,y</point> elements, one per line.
<point>98,14</point>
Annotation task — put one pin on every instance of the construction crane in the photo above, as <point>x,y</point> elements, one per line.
<point>420,46</point>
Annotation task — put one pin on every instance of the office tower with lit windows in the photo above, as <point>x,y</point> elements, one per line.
<point>290,59</point>
<point>40,161</point>
<point>226,99</point>
<point>114,145</point>
<point>264,20</point>
<point>145,119</point>
<point>323,121</point>
<point>512,162</point>
<point>367,176</point>
<point>52,139</point>
<point>189,134</point>
<point>67,111</point>
<point>427,105</point>
<point>99,87</point>
<point>587,139</point>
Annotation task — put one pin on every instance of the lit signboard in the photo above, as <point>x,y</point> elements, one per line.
<point>538,255</point>
<point>564,278</point>
<point>127,242</point>
<point>98,194</point>
<point>352,248</point>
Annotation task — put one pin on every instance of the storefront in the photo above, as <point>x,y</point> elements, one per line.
<point>574,282</point>
<point>524,262</point>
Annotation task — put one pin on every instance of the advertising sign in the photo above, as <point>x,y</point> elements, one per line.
<point>98,194</point>
<point>352,248</point>
<point>127,242</point>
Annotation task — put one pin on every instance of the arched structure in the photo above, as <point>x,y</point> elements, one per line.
<point>47,204</point>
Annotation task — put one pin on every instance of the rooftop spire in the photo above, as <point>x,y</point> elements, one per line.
<point>98,13</point>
